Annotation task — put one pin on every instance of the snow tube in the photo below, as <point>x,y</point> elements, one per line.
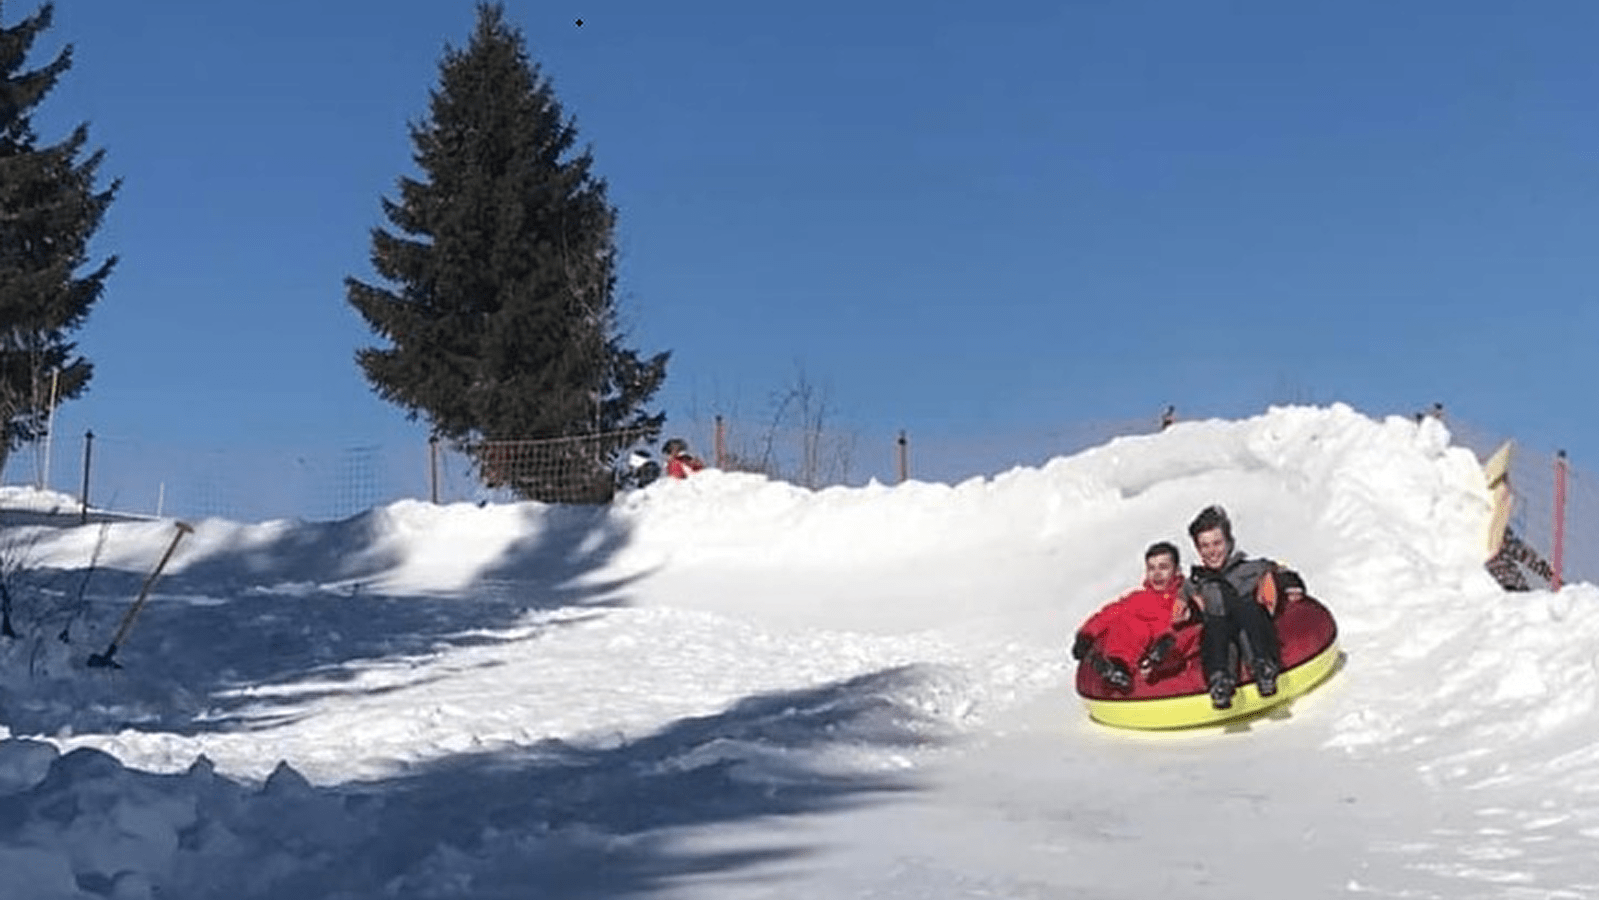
<point>1180,700</point>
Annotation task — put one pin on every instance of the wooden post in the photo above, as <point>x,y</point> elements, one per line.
<point>88,447</point>
<point>50,429</point>
<point>1557,558</point>
<point>719,443</point>
<point>433,468</point>
<point>903,457</point>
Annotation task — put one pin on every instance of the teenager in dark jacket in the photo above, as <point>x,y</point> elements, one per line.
<point>1236,598</point>
<point>1136,630</point>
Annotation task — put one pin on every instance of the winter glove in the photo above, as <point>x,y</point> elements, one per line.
<point>1113,671</point>
<point>1081,646</point>
<point>1289,580</point>
<point>1157,652</point>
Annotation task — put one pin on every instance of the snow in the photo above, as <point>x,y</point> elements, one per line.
<point>731,688</point>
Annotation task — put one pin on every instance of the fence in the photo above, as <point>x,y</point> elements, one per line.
<point>1555,503</point>
<point>842,455</point>
<point>138,476</point>
<point>141,477</point>
<point>576,469</point>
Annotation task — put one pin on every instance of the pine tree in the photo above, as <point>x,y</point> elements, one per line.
<point>501,314</point>
<point>49,209</point>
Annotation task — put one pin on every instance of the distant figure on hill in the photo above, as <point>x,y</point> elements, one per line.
<point>1168,417</point>
<point>679,461</point>
<point>643,468</point>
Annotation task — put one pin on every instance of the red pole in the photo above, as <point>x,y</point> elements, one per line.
<point>1558,555</point>
<point>719,444</point>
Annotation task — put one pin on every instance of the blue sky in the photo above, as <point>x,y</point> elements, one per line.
<point>958,218</point>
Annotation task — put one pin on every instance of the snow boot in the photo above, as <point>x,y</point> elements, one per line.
<point>1265,677</point>
<point>1221,690</point>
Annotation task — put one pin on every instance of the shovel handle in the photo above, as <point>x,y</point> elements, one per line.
<point>149,582</point>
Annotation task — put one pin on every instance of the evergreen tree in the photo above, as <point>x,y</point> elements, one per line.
<point>501,314</point>
<point>49,209</point>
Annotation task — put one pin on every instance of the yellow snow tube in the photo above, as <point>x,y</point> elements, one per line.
<point>1195,711</point>
<point>1310,654</point>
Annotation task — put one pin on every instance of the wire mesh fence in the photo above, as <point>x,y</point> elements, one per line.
<point>258,483</point>
<point>817,458</point>
<point>578,469</point>
<point>1554,506</point>
<point>252,483</point>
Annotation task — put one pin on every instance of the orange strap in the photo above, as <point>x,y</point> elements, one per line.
<point>1266,591</point>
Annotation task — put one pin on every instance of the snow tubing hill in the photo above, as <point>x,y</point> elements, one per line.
<point>1180,700</point>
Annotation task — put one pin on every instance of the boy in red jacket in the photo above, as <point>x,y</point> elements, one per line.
<point>1140,628</point>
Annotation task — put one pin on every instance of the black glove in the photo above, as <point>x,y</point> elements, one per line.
<point>1158,651</point>
<point>1286,579</point>
<point>1082,645</point>
<point>1112,670</point>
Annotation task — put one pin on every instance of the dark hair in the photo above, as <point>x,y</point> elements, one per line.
<point>1164,548</point>
<point>674,446</point>
<point>1212,516</point>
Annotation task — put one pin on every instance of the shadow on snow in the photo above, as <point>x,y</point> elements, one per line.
<point>296,608</point>
<point>551,820</point>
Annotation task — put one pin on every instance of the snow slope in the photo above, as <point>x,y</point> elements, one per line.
<point>734,688</point>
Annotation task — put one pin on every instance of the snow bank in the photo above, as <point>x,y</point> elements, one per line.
<point>453,700</point>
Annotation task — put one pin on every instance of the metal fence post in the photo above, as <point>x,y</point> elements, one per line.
<point>904,456</point>
<point>88,447</point>
<point>433,468</point>
<point>1557,560</point>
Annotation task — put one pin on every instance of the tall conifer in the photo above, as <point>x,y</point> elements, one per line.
<point>500,312</point>
<point>49,209</point>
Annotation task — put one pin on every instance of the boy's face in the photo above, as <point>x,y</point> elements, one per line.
<point>1212,547</point>
<point>1160,570</point>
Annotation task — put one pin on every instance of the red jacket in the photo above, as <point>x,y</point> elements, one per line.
<point>1125,628</point>
<point>680,465</point>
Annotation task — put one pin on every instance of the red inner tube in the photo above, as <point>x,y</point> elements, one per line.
<point>1305,627</point>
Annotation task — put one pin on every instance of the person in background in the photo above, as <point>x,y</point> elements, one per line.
<point>643,468</point>
<point>679,461</point>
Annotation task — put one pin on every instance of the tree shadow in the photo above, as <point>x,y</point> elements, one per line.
<point>558,820</point>
<point>299,609</point>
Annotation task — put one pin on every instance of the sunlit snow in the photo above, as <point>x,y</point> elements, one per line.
<point>729,687</point>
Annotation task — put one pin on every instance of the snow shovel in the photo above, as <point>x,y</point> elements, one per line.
<point>105,660</point>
